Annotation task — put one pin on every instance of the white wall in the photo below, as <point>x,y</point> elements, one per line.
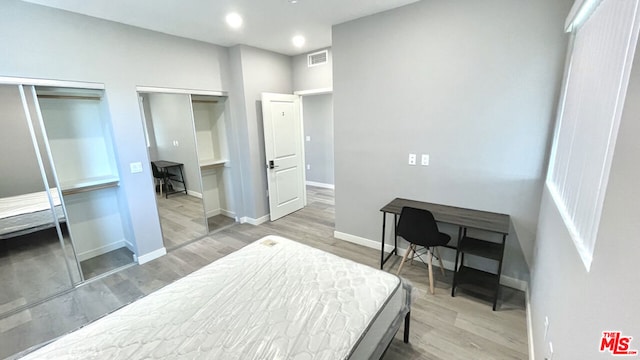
<point>580,304</point>
<point>473,84</point>
<point>41,42</point>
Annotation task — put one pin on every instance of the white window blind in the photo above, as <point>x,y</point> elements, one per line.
<point>604,35</point>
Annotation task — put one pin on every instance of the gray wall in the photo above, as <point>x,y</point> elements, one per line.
<point>40,42</point>
<point>473,84</point>
<point>580,304</point>
<point>318,124</point>
<point>255,71</point>
<point>311,78</point>
<point>21,173</point>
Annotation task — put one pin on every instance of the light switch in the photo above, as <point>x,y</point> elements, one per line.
<point>425,160</point>
<point>136,167</point>
<point>308,166</point>
<point>412,159</point>
<point>308,138</point>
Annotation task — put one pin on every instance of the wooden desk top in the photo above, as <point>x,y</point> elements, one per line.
<point>470,218</point>
<point>166,164</point>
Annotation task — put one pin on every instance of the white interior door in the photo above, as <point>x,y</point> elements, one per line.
<point>284,153</point>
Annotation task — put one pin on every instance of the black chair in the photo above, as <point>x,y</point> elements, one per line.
<point>419,228</point>
<point>158,176</point>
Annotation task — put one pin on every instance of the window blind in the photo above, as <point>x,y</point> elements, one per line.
<point>601,54</point>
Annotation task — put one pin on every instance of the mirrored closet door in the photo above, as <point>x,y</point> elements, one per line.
<point>36,260</point>
<point>61,218</point>
<point>174,162</point>
<point>186,139</point>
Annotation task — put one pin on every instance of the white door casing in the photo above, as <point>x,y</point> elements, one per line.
<point>284,153</point>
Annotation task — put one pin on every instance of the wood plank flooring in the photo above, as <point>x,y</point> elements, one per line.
<point>442,327</point>
<point>181,219</point>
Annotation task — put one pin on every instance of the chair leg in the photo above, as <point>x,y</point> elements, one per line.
<point>430,263</point>
<point>440,261</point>
<point>404,258</point>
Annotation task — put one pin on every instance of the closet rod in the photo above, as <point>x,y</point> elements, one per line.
<point>205,101</point>
<point>69,97</point>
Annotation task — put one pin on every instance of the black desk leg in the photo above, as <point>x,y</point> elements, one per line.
<point>495,298</point>
<point>407,321</point>
<point>184,181</point>
<point>384,223</point>
<point>395,234</point>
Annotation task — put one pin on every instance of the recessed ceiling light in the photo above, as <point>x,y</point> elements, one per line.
<point>234,20</point>
<point>298,40</point>
<point>293,1</point>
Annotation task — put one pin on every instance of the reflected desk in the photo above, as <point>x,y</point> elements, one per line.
<point>164,167</point>
<point>464,219</point>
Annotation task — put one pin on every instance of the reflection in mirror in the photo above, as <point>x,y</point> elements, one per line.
<point>33,266</point>
<point>176,173</point>
<point>210,124</point>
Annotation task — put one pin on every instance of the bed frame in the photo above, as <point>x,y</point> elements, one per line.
<point>28,213</point>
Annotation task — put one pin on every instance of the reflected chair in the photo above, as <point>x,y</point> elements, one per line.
<point>158,176</point>
<point>419,228</point>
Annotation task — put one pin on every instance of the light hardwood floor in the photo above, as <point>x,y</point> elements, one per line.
<point>442,327</point>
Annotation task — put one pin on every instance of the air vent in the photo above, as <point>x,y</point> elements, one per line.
<point>317,58</point>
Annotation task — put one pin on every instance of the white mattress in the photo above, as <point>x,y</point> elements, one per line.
<point>27,203</point>
<point>22,214</point>
<point>273,299</point>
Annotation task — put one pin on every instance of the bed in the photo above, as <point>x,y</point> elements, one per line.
<point>273,299</point>
<point>24,214</point>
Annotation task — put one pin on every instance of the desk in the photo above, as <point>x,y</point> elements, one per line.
<point>464,219</point>
<point>164,167</point>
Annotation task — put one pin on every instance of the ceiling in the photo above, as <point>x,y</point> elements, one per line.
<point>268,24</point>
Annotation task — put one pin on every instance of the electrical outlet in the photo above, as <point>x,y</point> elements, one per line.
<point>308,138</point>
<point>425,160</point>
<point>412,159</point>
<point>135,167</point>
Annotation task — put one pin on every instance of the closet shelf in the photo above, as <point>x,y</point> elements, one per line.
<point>91,184</point>
<point>212,163</point>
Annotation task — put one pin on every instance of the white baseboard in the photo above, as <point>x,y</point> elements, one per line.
<point>252,221</point>
<point>361,241</point>
<point>228,213</point>
<point>103,250</point>
<point>194,193</point>
<point>152,255</point>
<point>529,324</point>
<point>321,185</point>
<point>504,280</point>
<point>224,212</point>
<point>211,213</point>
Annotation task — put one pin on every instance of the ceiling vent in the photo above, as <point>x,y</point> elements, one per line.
<point>318,58</point>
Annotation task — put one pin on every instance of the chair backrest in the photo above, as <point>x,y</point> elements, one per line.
<point>156,172</point>
<point>418,226</point>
